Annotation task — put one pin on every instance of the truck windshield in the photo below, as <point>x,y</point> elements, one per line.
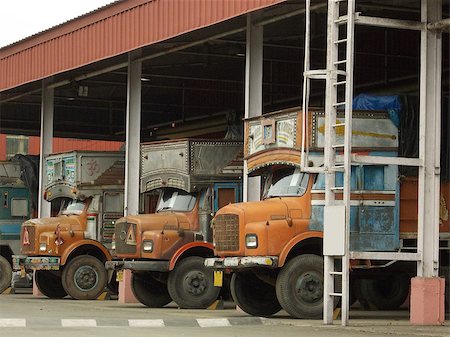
<point>72,207</point>
<point>286,182</point>
<point>176,200</point>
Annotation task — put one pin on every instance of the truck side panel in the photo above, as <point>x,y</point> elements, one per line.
<point>374,217</point>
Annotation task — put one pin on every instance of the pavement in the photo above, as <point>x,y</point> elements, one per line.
<point>23,314</point>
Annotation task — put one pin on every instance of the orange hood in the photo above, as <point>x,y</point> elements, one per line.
<point>257,210</point>
<point>157,221</point>
<point>66,222</point>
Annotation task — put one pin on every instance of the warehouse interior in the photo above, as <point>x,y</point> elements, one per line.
<point>203,85</point>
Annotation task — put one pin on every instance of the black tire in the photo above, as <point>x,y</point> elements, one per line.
<point>113,285</point>
<point>386,294</point>
<point>49,283</point>
<point>84,277</point>
<point>5,274</point>
<point>300,286</point>
<point>253,295</point>
<point>149,291</point>
<point>444,271</point>
<point>191,284</point>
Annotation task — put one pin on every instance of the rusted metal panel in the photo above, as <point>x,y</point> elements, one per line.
<point>110,31</point>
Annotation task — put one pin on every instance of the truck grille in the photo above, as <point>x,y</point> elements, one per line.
<point>28,236</point>
<point>226,232</point>
<point>125,238</point>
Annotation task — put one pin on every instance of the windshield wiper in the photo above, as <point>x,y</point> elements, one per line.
<point>164,208</point>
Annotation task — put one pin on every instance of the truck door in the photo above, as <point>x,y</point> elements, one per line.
<point>376,227</point>
<point>15,208</point>
<point>226,193</point>
<point>112,210</point>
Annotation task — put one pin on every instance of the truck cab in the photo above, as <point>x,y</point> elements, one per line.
<point>16,207</point>
<point>165,250</point>
<point>68,251</point>
<point>274,246</point>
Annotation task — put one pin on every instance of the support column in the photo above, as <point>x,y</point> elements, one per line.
<point>253,95</point>
<point>45,148</point>
<point>427,289</point>
<point>133,132</point>
<point>46,145</point>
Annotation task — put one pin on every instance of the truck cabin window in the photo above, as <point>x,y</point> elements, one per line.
<point>176,200</point>
<point>70,207</point>
<point>286,182</point>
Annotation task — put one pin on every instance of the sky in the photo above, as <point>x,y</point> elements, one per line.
<point>22,18</point>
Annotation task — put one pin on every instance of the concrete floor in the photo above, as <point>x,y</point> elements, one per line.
<point>23,314</point>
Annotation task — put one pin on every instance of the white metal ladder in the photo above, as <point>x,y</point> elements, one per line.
<point>339,78</point>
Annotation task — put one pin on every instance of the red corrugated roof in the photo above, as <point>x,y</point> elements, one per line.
<point>64,145</point>
<point>109,31</point>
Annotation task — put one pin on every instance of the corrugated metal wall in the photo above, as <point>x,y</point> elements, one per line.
<point>112,32</point>
<point>63,145</point>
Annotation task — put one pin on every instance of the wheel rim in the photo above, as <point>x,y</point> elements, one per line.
<point>309,287</point>
<point>85,278</point>
<point>195,283</point>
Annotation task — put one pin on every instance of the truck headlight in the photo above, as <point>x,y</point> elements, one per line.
<point>42,246</point>
<point>147,246</point>
<point>251,241</point>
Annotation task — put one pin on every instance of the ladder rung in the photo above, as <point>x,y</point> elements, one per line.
<point>339,83</point>
<point>340,41</point>
<point>339,103</point>
<point>335,273</point>
<point>317,74</point>
<point>341,19</point>
<point>340,62</point>
<point>335,146</point>
<point>337,188</point>
<point>336,294</point>
<point>338,168</point>
<point>338,124</point>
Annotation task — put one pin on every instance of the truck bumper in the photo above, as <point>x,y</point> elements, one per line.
<point>22,262</point>
<point>242,262</point>
<point>161,266</point>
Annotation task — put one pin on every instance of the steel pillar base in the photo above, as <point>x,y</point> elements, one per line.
<point>427,301</point>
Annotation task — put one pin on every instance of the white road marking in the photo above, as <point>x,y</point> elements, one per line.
<point>147,323</point>
<point>77,323</point>
<point>13,322</point>
<point>212,322</point>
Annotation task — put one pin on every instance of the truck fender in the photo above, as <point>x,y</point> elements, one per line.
<point>74,246</point>
<point>189,246</point>
<point>293,242</point>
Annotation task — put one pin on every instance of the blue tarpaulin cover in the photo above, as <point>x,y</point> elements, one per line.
<point>391,104</point>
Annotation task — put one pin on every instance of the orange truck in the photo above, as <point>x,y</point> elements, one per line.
<point>68,251</point>
<point>274,246</point>
<point>165,251</point>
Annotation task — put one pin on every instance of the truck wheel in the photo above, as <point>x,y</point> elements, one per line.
<point>444,271</point>
<point>49,283</point>
<point>386,294</point>
<point>191,284</point>
<point>113,285</point>
<point>300,286</point>
<point>149,291</point>
<point>5,274</point>
<point>84,277</point>
<point>253,295</point>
